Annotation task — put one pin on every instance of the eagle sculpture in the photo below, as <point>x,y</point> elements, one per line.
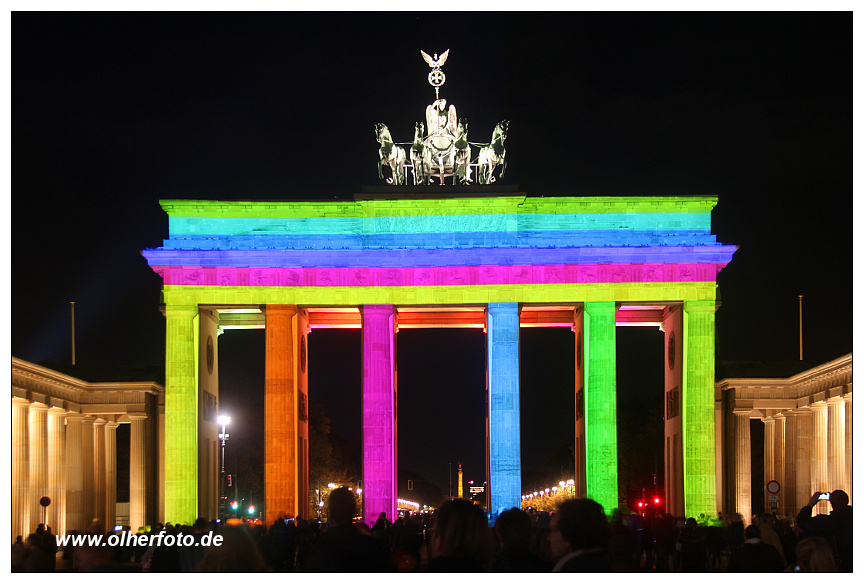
<point>435,62</point>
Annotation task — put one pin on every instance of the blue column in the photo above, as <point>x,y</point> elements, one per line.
<point>502,382</point>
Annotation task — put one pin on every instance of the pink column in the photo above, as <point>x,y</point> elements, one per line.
<point>379,412</point>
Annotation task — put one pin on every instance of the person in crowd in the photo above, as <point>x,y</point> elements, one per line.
<point>19,553</point>
<point>814,554</point>
<point>789,540</point>
<point>37,559</point>
<point>540,543</point>
<point>755,555</point>
<point>579,537</point>
<point>835,528</point>
<point>693,552</point>
<point>768,534</point>
<point>189,556</point>
<point>344,548</point>
<point>382,527</point>
<point>281,545</point>
<point>238,553</point>
<point>664,545</point>
<point>513,536</point>
<point>462,540</point>
<point>623,543</point>
<point>735,531</point>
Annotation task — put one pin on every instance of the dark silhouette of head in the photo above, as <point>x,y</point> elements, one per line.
<point>583,524</point>
<point>513,528</point>
<point>462,531</point>
<point>839,499</point>
<point>342,506</point>
<point>752,532</point>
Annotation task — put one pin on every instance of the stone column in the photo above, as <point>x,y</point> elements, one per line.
<point>137,472</point>
<point>280,418</point>
<point>181,414</point>
<point>20,468</point>
<point>74,473</point>
<point>110,513</point>
<point>99,472</point>
<point>780,456</point>
<point>57,470</point>
<point>698,409</point>
<point>768,457</point>
<point>743,478</point>
<point>790,502</point>
<point>87,459</point>
<point>502,381</point>
<point>768,448</point>
<point>38,461</point>
<point>848,489</point>
<point>803,440</point>
<point>379,411</point>
<point>819,454</point>
<point>836,444</point>
<point>601,414</point>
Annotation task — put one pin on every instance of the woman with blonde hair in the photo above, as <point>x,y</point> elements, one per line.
<point>815,555</point>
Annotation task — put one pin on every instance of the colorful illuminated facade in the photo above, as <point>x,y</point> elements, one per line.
<point>497,260</point>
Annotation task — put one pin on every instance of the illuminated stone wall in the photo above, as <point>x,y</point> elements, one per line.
<point>507,250</point>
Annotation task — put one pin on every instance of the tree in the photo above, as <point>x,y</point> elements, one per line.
<point>326,463</point>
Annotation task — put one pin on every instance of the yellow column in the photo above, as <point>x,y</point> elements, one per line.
<point>57,470</point>
<point>20,468</point>
<point>280,417</point>
<point>38,461</point>
<point>181,414</point>
<point>768,454</point>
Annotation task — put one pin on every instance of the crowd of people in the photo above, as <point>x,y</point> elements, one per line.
<point>457,538</point>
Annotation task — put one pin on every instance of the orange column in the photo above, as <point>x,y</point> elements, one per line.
<point>280,414</point>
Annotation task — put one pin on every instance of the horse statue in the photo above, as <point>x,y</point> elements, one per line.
<point>418,156</point>
<point>462,162</point>
<point>493,154</point>
<point>389,155</point>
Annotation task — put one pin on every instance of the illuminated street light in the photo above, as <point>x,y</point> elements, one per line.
<point>223,436</point>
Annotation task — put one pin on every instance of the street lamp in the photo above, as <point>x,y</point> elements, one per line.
<point>223,436</point>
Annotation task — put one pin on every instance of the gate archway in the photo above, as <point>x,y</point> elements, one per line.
<point>498,260</point>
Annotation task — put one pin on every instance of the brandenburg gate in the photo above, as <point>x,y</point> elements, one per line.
<point>483,256</point>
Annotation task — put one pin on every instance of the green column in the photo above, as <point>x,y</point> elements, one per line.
<point>601,429</point>
<point>181,414</point>
<point>698,409</point>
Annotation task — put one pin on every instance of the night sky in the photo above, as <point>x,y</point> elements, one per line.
<point>112,112</point>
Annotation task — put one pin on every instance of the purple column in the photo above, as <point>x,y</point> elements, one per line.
<point>379,412</point>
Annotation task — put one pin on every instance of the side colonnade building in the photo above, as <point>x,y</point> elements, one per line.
<point>807,444</point>
<point>64,447</point>
<point>489,257</point>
